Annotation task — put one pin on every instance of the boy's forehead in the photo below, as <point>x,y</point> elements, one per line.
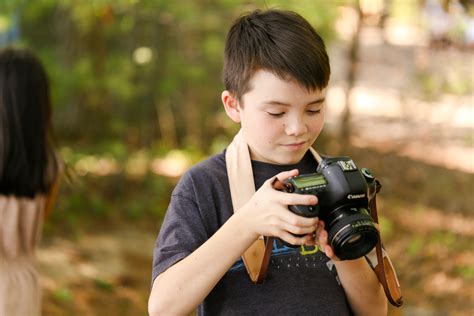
<point>271,86</point>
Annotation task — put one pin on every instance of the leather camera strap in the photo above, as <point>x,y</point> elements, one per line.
<point>384,269</point>
<point>242,188</point>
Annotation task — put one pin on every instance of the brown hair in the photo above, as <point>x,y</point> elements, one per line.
<point>282,42</point>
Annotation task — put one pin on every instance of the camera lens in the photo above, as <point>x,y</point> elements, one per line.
<point>354,238</point>
<point>352,233</point>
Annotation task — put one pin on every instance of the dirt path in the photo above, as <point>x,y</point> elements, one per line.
<point>101,273</point>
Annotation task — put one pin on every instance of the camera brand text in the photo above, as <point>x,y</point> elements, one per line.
<point>355,196</point>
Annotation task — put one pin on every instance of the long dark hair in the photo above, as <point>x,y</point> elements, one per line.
<point>28,164</point>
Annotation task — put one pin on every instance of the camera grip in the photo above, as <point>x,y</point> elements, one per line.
<point>305,210</point>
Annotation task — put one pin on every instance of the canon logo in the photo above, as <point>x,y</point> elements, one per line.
<point>355,196</point>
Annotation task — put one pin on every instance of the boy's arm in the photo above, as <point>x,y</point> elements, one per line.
<point>183,286</point>
<point>363,290</point>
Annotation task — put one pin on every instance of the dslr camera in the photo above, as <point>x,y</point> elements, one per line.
<point>344,193</point>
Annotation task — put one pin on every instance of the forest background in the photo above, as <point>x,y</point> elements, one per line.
<point>136,90</point>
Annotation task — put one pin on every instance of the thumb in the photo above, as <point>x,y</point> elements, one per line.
<point>277,182</point>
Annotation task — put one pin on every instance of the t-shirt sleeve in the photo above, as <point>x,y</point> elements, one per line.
<point>182,230</point>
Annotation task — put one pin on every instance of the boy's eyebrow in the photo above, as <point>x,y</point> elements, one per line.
<point>275,102</point>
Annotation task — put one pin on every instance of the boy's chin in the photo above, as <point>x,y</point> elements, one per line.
<point>278,157</point>
<point>287,160</point>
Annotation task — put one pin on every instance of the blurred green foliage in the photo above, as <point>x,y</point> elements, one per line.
<point>63,295</point>
<point>132,80</point>
<point>142,73</point>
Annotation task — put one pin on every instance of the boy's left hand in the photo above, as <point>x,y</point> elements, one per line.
<point>321,240</point>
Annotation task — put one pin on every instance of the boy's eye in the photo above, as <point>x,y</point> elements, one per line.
<point>276,114</point>
<point>313,112</point>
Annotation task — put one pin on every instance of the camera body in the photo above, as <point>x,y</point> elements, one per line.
<point>344,193</point>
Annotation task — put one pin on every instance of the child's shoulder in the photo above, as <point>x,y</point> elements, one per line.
<point>209,166</point>
<point>209,171</point>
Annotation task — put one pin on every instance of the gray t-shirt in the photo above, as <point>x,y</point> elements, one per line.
<point>300,281</point>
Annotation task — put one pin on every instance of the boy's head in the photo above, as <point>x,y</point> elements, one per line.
<point>276,70</point>
<point>281,42</point>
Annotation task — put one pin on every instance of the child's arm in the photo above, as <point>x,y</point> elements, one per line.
<point>181,288</point>
<point>363,290</point>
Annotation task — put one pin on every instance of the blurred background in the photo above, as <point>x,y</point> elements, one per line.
<point>136,87</point>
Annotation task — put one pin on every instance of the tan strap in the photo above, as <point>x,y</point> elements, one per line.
<point>242,188</point>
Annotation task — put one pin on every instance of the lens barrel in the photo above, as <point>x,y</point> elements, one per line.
<point>352,233</point>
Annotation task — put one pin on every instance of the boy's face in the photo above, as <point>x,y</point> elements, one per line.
<point>280,119</point>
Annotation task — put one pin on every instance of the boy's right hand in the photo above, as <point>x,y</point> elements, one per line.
<point>267,213</point>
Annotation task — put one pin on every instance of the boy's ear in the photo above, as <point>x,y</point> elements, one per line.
<point>231,106</point>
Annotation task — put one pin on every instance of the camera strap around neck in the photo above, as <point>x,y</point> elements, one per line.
<point>242,188</point>
<point>256,257</point>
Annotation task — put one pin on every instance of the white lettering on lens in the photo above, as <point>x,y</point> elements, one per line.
<point>355,196</point>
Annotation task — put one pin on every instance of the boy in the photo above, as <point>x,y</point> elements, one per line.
<point>276,70</point>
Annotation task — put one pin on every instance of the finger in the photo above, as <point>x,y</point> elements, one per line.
<point>299,230</point>
<point>330,253</point>
<point>282,176</point>
<point>319,228</point>
<point>312,240</point>
<point>323,237</point>
<point>278,185</point>
<point>294,240</point>
<point>321,223</point>
<point>291,218</point>
<point>285,219</point>
<point>297,199</point>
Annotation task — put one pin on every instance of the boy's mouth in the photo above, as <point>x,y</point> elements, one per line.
<point>295,146</point>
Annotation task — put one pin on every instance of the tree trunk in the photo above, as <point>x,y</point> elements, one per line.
<point>353,56</point>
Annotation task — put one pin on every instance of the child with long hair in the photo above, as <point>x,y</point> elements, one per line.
<point>29,171</point>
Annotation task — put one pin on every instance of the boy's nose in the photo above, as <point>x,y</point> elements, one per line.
<point>296,127</point>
